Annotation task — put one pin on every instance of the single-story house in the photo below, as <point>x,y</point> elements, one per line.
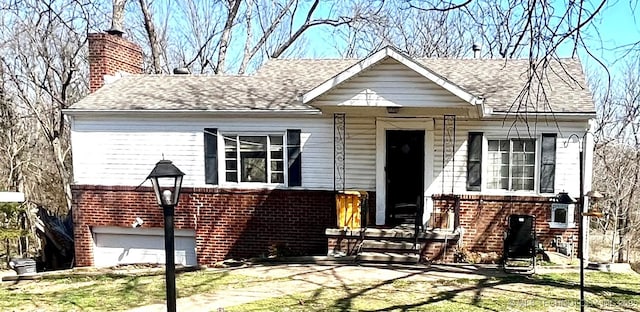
<point>453,146</point>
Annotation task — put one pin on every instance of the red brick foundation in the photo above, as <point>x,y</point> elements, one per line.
<point>484,220</point>
<point>228,223</point>
<point>249,223</point>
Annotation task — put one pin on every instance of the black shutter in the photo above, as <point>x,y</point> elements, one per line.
<point>474,161</point>
<point>548,163</point>
<point>211,156</point>
<point>294,157</point>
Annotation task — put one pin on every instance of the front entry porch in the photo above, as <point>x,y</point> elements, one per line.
<point>400,244</point>
<point>397,242</point>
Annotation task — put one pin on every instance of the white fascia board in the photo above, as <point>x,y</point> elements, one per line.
<point>189,113</point>
<point>11,197</point>
<point>558,116</point>
<point>377,57</point>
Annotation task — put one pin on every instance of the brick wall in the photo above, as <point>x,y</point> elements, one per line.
<point>228,224</point>
<point>438,251</point>
<point>109,54</point>
<point>484,219</point>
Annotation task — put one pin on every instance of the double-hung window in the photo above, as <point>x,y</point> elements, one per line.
<point>254,158</point>
<point>273,158</point>
<point>511,164</point>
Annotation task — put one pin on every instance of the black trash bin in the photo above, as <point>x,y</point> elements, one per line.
<point>23,266</point>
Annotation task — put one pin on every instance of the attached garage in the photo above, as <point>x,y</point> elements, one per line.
<point>118,245</point>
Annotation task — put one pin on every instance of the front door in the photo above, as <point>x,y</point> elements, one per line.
<point>404,176</point>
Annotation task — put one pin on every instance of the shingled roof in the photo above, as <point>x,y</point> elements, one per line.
<point>279,85</point>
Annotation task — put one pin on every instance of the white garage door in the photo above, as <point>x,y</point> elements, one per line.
<point>117,245</point>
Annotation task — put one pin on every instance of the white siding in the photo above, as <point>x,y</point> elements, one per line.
<point>123,151</point>
<point>360,160</point>
<point>452,171</point>
<point>390,83</point>
<point>567,166</point>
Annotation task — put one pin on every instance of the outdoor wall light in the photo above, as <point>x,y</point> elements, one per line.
<point>137,222</point>
<point>393,109</point>
<point>167,182</point>
<point>564,198</point>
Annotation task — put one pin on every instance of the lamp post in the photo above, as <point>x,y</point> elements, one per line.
<point>581,226</point>
<point>167,181</point>
<point>593,195</point>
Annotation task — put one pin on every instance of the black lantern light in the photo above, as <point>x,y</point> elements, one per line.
<point>564,198</point>
<point>167,181</point>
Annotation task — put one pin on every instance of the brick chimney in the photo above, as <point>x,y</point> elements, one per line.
<point>109,54</point>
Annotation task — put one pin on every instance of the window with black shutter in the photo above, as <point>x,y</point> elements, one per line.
<point>474,161</point>
<point>548,163</point>
<point>211,156</point>
<point>294,158</point>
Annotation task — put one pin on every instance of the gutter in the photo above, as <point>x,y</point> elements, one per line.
<point>189,113</point>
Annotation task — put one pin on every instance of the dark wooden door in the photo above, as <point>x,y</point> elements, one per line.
<point>404,175</point>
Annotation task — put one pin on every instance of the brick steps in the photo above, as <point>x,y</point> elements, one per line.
<point>390,248</point>
<point>391,245</point>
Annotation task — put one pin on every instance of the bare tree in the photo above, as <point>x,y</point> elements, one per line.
<point>522,28</point>
<point>43,62</point>
<point>151,35</point>
<point>225,38</point>
<point>617,161</point>
<point>430,34</point>
<point>263,28</point>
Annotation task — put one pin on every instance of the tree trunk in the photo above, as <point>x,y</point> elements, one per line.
<point>613,240</point>
<point>60,156</point>
<point>247,50</point>
<point>117,17</point>
<point>622,228</point>
<point>153,37</point>
<point>7,246</point>
<point>226,36</point>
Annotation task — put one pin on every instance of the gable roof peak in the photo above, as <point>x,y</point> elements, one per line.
<point>395,54</point>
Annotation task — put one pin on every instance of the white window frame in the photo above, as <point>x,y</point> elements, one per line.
<point>570,222</point>
<point>222,163</point>
<point>485,165</point>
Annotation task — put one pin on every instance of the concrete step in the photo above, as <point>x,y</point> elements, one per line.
<point>387,257</point>
<point>390,245</point>
<point>402,233</point>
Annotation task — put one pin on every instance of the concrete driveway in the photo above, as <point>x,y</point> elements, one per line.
<point>308,277</point>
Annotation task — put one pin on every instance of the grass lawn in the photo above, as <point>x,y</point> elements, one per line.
<point>550,292</point>
<point>111,293</point>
